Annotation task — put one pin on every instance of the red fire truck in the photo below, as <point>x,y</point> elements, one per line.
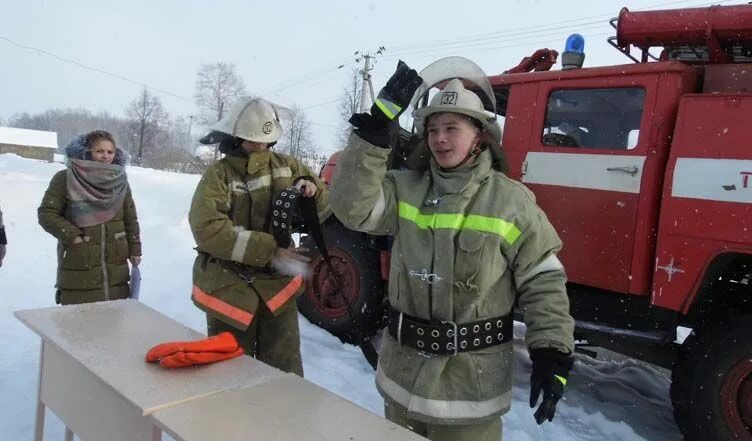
<point>645,170</point>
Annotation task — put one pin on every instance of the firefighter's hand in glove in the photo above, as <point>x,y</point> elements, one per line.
<point>291,262</point>
<point>550,371</point>
<point>391,101</point>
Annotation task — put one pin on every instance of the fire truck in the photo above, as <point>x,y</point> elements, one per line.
<point>645,171</point>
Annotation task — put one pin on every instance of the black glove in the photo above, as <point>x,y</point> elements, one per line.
<point>550,371</point>
<point>377,127</point>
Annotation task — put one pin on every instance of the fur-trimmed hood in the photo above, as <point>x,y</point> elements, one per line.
<point>77,149</point>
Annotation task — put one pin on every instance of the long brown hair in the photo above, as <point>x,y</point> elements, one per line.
<point>97,135</point>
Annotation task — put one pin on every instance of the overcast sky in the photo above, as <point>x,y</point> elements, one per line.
<point>287,51</point>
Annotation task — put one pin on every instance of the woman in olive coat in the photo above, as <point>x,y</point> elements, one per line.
<point>89,209</point>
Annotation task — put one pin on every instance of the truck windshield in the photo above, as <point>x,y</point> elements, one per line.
<point>594,118</point>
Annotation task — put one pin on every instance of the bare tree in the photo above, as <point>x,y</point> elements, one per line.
<point>170,148</point>
<point>69,123</point>
<point>148,120</point>
<point>349,104</point>
<point>217,85</point>
<point>297,139</point>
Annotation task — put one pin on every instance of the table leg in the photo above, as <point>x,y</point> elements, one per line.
<point>39,420</point>
<point>156,434</point>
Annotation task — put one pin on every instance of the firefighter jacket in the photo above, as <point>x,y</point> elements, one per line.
<point>96,269</point>
<point>229,218</point>
<point>467,244</point>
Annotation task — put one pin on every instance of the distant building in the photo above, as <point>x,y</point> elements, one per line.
<point>34,144</point>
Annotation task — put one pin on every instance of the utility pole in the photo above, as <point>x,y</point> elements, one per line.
<point>190,137</point>
<point>366,87</point>
<point>141,145</point>
<point>219,116</point>
<point>366,90</point>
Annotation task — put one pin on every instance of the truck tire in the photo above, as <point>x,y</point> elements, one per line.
<point>711,386</point>
<point>358,268</point>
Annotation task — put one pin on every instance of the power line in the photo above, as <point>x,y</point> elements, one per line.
<point>522,32</point>
<point>320,104</point>
<point>308,77</point>
<point>485,47</point>
<point>93,69</point>
<point>473,43</point>
<point>520,40</point>
<point>324,125</point>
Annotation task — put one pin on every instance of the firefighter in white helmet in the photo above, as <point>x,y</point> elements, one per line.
<point>468,243</point>
<point>242,277</point>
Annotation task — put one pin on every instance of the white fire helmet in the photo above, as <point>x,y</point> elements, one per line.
<point>455,98</point>
<point>253,119</point>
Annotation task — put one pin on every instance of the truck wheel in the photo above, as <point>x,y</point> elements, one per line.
<point>711,386</point>
<point>357,267</point>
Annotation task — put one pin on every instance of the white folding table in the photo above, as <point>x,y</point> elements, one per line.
<point>92,372</point>
<point>286,408</point>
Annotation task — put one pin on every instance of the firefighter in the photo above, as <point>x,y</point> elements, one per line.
<point>241,275</point>
<point>468,242</point>
<point>90,210</point>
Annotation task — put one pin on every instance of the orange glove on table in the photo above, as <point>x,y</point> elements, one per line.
<point>185,359</point>
<point>179,354</point>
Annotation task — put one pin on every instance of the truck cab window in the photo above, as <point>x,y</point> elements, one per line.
<point>594,118</point>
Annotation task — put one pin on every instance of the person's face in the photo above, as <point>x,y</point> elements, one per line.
<point>254,147</point>
<point>451,137</point>
<point>103,150</point>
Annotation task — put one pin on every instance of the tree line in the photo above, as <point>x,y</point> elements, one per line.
<point>153,138</point>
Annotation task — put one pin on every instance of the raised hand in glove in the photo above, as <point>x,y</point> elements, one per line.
<point>550,372</point>
<point>391,101</point>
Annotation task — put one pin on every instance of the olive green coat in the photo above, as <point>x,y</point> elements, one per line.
<point>229,218</point>
<point>96,269</point>
<point>486,242</point>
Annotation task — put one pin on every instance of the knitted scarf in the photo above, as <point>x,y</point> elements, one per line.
<point>96,191</point>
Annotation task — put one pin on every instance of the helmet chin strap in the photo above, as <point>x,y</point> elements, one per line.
<point>475,151</point>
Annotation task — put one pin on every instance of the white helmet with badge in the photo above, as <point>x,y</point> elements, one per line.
<point>463,88</point>
<point>456,99</point>
<point>252,119</point>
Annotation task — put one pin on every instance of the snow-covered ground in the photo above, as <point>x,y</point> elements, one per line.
<point>613,398</point>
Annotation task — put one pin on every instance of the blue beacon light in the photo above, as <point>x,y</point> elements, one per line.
<point>574,52</point>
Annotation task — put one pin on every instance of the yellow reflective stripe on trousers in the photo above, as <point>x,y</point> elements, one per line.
<point>444,409</point>
<point>390,109</point>
<point>456,221</point>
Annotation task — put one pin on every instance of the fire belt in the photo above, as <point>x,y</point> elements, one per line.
<point>449,338</point>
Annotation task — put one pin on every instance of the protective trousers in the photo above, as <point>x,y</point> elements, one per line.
<point>490,431</point>
<point>273,340</point>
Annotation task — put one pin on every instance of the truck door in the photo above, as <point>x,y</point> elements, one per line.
<point>586,163</point>
<point>707,201</point>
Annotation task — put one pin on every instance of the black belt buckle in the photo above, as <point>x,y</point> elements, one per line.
<point>454,348</point>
